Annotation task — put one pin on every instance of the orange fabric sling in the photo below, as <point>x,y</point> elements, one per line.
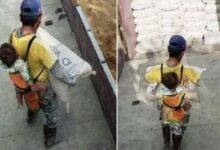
<point>18,81</point>
<point>174,102</point>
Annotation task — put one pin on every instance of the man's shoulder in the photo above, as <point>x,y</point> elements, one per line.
<point>153,68</point>
<point>38,41</point>
<point>153,74</point>
<point>41,46</point>
<point>26,38</point>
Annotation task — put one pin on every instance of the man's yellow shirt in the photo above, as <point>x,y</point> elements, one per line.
<point>153,74</point>
<point>39,55</point>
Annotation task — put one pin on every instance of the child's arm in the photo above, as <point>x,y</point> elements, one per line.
<point>22,68</point>
<point>154,91</point>
<point>158,95</point>
<point>19,97</point>
<point>151,92</point>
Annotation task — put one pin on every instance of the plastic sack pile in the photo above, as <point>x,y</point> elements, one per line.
<point>156,20</point>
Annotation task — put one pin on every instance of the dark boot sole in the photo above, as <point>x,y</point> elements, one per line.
<point>53,143</point>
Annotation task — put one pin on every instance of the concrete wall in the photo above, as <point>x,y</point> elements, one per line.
<point>127,26</point>
<point>121,57</point>
<point>90,51</point>
<point>121,61</point>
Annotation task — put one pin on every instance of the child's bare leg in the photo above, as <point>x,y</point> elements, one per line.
<point>19,97</point>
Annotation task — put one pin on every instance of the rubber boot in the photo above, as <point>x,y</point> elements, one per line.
<point>30,116</point>
<point>166,137</point>
<point>176,141</point>
<point>50,137</point>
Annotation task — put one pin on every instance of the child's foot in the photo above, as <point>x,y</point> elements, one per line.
<point>20,106</point>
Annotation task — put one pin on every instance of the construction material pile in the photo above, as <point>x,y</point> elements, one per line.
<point>156,21</point>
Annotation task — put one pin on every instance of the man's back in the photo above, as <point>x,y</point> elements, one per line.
<point>40,57</point>
<point>153,73</point>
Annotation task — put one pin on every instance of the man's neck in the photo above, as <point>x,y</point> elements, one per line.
<point>172,62</point>
<point>27,30</point>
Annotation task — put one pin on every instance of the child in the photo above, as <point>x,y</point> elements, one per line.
<point>174,107</point>
<point>18,72</point>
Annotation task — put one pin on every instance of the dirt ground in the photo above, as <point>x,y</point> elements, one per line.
<point>101,15</point>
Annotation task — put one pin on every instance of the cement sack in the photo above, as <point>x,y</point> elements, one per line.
<point>152,19</point>
<point>150,28</point>
<point>191,89</point>
<point>143,13</point>
<point>74,65</point>
<point>145,36</point>
<point>141,4</point>
<point>169,5</point>
<point>151,92</point>
<point>192,92</point>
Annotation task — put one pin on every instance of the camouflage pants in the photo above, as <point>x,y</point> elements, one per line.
<point>49,106</point>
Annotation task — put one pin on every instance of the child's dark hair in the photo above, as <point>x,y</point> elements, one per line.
<point>170,80</point>
<point>8,50</point>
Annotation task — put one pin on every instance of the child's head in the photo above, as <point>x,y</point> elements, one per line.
<point>170,80</point>
<point>7,54</point>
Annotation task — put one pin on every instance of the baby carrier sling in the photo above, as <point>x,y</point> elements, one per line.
<point>31,98</point>
<point>174,102</point>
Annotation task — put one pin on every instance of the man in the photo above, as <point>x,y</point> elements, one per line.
<point>176,49</point>
<point>40,58</point>
<point>186,74</point>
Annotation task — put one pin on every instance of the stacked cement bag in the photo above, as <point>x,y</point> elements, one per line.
<point>171,22</point>
<point>169,18</point>
<point>156,21</point>
<point>212,34</point>
<point>212,17</point>
<point>209,1</point>
<point>169,5</point>
<point>146,18</point>
<point>193,20</point>
<point>194,23</point>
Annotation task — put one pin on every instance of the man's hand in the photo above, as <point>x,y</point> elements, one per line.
<point>187,105</point>
<point>38,86</point>
<point>72,81</point>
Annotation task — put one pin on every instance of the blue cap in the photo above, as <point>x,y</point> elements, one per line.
<point>31,8</point>
<point>177,44</point>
